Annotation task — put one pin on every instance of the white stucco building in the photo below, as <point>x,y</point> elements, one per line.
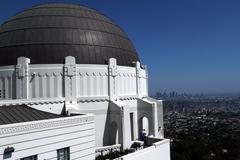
<point>72,87</point>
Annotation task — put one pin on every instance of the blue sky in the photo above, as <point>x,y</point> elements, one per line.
<point>189,45</point>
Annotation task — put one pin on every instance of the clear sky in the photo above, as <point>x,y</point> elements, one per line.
<point>189,45</point>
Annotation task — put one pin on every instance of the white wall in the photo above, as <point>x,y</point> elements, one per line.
<point>92,80</point>
<point>143,82</point>
<point>47,81</point>
<point>100,111</point>
<point>126,81</point>
<point>7,79</point>
<point>159,150</point>
<point>55,108</point>
<point>43,138</point>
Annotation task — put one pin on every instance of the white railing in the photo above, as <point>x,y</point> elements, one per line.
<point>158,150</point>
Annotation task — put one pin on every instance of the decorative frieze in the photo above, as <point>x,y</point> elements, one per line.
<point>127,98</point>
<point>33,102</point>
<point>92,73</point>
<point>84,100</point>
<point>38,125</point>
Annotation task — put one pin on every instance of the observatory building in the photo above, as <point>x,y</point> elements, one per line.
<point>72,86</point>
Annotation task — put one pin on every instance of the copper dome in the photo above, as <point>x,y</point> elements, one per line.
<point>48,33</point>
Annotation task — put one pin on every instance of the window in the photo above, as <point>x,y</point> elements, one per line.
<point>63,154</point>
<point>132,126</point>
<point>4,94</point>
<point>30,158</point>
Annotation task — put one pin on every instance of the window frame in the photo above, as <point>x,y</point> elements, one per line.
<point>33,157</point>
<point>66,153</point>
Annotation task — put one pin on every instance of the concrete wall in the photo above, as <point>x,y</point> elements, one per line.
<point>45,81</point>
<point>101,114</point>
<point>107,115</point>
<point>89,86</point>
<point>126,81</point>
<point>92,80</point>
<point>56,88</point>
<point>27,81</point>
<point>7,82</point>
<point>108,120</point>
<point>44,138</point>
<point>145,109</point>
<point>143,82</point>
<point>159,104</point>
<point>159,150</point>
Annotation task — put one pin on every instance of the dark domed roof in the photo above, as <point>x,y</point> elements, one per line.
<point>48,33</point>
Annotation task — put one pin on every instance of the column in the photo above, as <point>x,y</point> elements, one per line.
<point>155,119</point>
<point>135,127</point>
<point>126,129</point>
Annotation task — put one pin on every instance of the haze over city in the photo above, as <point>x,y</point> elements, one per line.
<point>189,46</point>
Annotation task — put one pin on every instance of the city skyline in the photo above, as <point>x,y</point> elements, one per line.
<point>188,47</point>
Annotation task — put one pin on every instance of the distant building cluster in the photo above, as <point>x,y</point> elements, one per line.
<point>175,95</point>
<point>212,122</point>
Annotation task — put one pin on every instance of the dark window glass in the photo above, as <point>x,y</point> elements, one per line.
<point>63,154</point>
<point>30,158</point>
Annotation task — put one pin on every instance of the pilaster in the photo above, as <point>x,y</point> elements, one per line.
<point>22,78</point>
<point>146,70</point>
<point>112,78</point>
<point>70,83</point>
<point>138,67</point>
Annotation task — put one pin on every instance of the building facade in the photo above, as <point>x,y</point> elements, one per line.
<point>67,59</point>
<point>42,135</point>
